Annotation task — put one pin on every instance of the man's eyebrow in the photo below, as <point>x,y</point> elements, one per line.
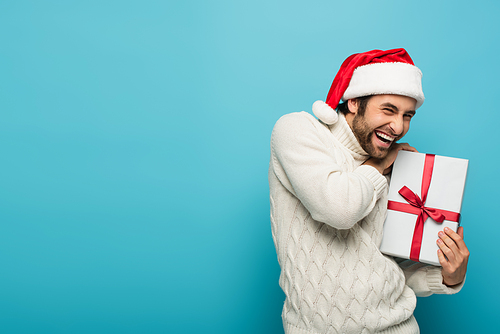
<point>390,105</point>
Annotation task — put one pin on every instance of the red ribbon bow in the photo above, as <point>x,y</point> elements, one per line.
<point>417,206</point>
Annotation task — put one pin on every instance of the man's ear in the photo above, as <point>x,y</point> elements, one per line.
<point>352,105</point>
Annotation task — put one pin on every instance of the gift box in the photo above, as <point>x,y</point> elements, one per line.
<point>425,196</point>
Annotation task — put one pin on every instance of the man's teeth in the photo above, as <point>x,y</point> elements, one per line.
<point>384,136</point>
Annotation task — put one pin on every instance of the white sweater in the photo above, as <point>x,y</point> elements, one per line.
<point>327,213</point>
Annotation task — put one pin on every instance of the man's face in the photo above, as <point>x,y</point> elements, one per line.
<point>385,120</point>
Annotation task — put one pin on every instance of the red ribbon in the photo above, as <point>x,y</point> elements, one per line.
<point>417,206</point>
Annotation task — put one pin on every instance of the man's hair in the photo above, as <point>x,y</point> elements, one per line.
<point>362,101</point>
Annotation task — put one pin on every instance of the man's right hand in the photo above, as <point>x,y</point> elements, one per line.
<point>384,165</point>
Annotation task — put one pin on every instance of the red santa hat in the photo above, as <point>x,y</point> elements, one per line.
<point>372,73</point>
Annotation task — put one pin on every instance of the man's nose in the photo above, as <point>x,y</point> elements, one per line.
<point>397,124</point>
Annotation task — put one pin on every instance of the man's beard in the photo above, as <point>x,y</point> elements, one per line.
<point>364,135</point>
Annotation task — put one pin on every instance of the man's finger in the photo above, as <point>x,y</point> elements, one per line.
<point>407,147</point>
<point>448,252</point>
<point>442,259</point>
<point>447,239</point>
<point>457,238</point>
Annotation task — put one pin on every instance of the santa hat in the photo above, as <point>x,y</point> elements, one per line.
<point>372,73</point>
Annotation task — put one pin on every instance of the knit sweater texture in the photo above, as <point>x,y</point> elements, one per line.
<point>327,214</point>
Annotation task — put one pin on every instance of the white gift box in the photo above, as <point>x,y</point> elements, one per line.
<point>445,193</point>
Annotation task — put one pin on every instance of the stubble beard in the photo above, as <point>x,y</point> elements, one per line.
<point>364,135</point>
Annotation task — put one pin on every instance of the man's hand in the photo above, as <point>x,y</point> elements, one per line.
<point>384,165</point>
<point>453,256</point>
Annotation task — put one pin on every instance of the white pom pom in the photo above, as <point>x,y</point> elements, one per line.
<point>325,113</point>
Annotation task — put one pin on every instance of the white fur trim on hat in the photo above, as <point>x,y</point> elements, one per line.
<point>325,113</point>
<point>386,78</point>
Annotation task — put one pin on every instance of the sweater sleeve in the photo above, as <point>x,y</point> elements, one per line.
<point>425,279</point>
<point>307,168</point>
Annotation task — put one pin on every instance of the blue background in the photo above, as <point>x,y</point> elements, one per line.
<point>134,145</point>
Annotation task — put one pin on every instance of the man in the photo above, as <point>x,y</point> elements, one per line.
<point>328,190</point>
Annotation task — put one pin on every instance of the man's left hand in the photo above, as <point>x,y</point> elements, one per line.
<point>453,256</point>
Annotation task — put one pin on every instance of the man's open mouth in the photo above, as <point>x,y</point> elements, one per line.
<point>384,138</point>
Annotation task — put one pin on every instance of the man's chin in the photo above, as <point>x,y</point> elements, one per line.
<point>376,151</point>
<point>379,153</point>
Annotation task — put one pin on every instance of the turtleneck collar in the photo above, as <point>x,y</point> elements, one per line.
<point>343,132</point>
